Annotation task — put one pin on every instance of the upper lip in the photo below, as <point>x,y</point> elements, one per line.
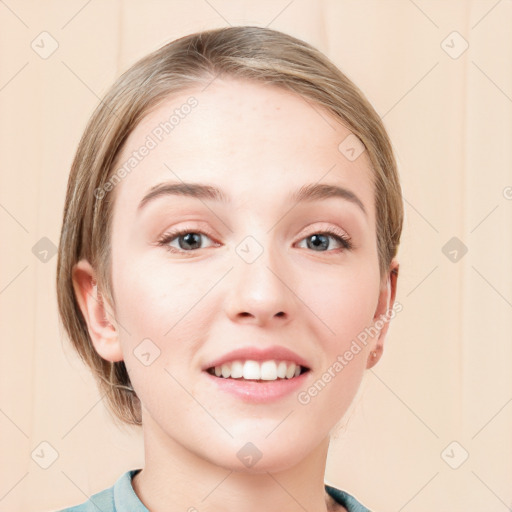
<point>275,352</point>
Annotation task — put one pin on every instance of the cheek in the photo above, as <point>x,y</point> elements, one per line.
<point>155,299</point>
<point>344,303</point>
<point>163,313</point>
<point>345,313</point>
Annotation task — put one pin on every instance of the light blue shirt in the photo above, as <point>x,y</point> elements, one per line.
<point>122,498</point>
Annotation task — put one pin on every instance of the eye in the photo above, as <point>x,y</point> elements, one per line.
<point>190,239</point>
<point>320,242</point>
<point>187,240</point>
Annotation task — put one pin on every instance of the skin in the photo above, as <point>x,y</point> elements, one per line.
<point>258,144</point>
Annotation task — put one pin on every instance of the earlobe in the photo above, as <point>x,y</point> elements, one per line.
<point>104,334</point>
<point>373,358</point>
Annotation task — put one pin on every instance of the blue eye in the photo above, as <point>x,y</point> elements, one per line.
<point>189,240</point>
<point>319,242</point>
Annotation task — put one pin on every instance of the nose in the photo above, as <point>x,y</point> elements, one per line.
<point>260,293</point>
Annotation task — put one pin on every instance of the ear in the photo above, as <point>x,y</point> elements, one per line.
<point>382,318</point>
<point>100,323</point>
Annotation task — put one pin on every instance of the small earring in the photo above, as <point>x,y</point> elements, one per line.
<point>374,353</point>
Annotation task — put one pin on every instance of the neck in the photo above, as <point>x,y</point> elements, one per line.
<point>176,479</point>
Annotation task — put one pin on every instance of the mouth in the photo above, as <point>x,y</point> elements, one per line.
<point>258,371</point>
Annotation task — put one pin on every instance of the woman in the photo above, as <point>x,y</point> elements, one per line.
<point>227,268</point>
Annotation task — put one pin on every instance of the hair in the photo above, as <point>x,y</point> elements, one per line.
<point>252,53</point>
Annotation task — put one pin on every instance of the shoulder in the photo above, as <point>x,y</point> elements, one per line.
<point>112,499</point>
<point>103,501</point>
<point>345,499</point>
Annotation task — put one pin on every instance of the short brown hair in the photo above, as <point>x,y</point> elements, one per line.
<point>245,52</point>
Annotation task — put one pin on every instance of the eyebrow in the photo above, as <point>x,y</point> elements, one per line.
<point>311,192</point>
<point>316,191</point>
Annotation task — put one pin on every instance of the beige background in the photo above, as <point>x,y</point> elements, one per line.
<point>445,375</point>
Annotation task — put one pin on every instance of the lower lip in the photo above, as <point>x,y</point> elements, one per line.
<point>259,392</point>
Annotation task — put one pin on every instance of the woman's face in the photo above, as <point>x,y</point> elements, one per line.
<point>257,270</point>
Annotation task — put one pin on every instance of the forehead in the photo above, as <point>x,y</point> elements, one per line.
<point>252,140</point>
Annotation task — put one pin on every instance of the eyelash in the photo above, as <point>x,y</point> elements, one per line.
<point>338,235</point>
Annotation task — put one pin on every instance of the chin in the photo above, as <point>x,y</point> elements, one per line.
<point>259,456</point>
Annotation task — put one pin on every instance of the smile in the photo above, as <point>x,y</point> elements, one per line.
<point>258,370</point>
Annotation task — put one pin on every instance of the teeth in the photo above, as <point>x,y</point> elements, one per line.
<point>255,370</point>
<point>226,370</point>
<point>252,370</point>
<point>268,370</point>
<point>281,370</point>
<point>237,370</point>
